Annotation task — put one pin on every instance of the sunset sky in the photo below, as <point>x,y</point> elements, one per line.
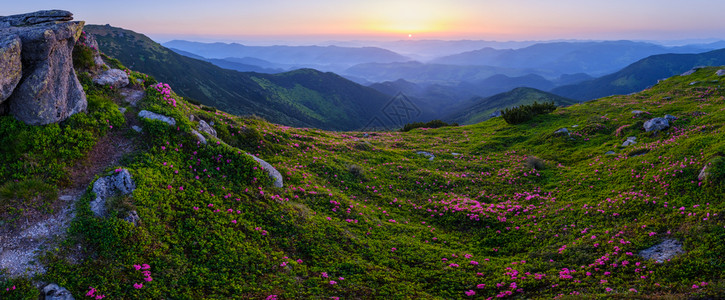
<point>387,19</point>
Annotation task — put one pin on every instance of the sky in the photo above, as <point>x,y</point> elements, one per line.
<point>310,20</point>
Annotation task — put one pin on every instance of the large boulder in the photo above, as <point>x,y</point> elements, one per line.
<point>56,292</point>
<point>656,124</point>
<point>114,78</point>
<point>49,91</point>
<point>105,187</point>
<point>10,65</point>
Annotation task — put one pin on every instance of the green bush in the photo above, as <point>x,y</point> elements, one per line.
<point>523,113</point>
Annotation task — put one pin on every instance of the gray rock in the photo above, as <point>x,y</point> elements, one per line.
<point>198,136</point>
<point>273,173</point>
<point>455,154</point>
<point>562,131</point>
<point>637,112</point>
<point>122,110</point>
<point>630,141</point>
<point>65,198</point>
<point>429,155</point>
<point>55,292</point>
<point>574,126</point>
<point>204,127</point>
<point>690,72</point>
<point>104,187</point>
<point>132,96</point>
<point>670,118</point>
<point>114,77</point>
<point>132,218</point>
<point>136,128</point>
<point>154,116</point>
<point>49,91</point>
<point>495,114</point>
<point>610,153</point>
<point>720,72</point>
<point>365,135</point>
<point>656,124</point>
<point>38,17</point>
<point>694,83</point>
<point>668,249</point>
<point>192,118</point>
<point>11,67</point>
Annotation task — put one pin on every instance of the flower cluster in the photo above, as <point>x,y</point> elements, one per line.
<point>165,91</point>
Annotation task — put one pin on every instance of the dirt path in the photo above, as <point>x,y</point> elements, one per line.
<point>20,246</point>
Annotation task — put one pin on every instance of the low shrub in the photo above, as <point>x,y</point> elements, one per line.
<point>523,113</point>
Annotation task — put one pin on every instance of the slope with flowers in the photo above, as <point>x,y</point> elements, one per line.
<point>501,211</point>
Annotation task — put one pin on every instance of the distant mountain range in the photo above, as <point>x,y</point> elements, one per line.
<point>640,75</point>
<point>304,98</point>
<point>594,58</point>
<point>332,58</point>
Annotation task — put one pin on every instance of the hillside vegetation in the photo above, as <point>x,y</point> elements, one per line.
<point>509,211</point>
<point>296,98</point>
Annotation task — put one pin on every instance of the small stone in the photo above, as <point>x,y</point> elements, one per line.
<point>55,292</point>
<point>65,198</point>
<point>105,187</point>
<point>720,72</point>
<point>670,118</point>
<point>198,136</point>
<point>271,171</point>
<point>427,154</point>
<point>562,131</point>
<point>663,251</point>
<point>132,96</point>
<point>610,153</point>
<point>154,116</point>
<point>132,218</point>
<point>694,83</point>
<point>136,128</point>
<point>122,110</point>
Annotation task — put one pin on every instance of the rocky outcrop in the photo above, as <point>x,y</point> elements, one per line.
<point>114,78</point>
<point>38,17</point>
<point>56,292</point>
<point>105,187</point>
<point>49,91</point>
<point>154,116</point>
<point>198,136</point>
<point>10,65</point>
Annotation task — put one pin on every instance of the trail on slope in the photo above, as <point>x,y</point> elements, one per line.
<point>20,246</point>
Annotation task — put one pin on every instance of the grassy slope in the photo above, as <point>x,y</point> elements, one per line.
<point>291,98</point>
<point>381,221</point>
<point>479,109</point>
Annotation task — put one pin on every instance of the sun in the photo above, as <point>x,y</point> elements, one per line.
<point>408,17</point>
